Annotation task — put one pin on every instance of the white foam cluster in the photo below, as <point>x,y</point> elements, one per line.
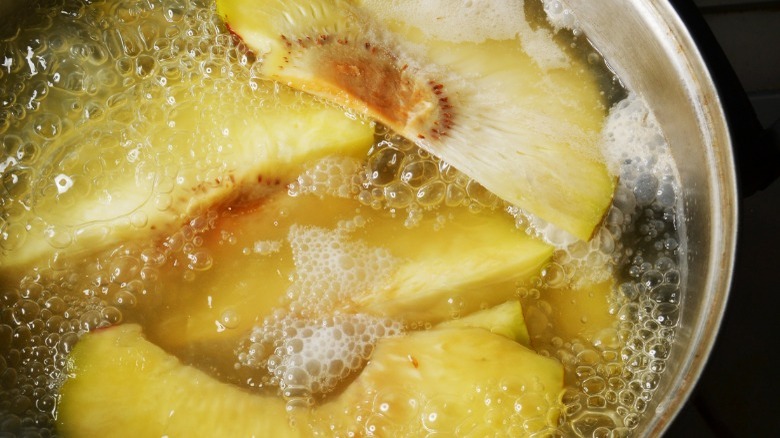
<point>473,21</point>
<point>311,357</point>
<point>334,176</point>
<point>560,16</point>
<point>267,247</point>
<point>331,267</point>
<point>634,145</point>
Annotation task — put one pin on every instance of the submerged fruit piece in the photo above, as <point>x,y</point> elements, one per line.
<point>106,182</point>
<point>465,381</point>
<point>505,319</point>
<point>450,381</point>
<point>121,385</point>
<point>427,273</point>
<point>528,134</point>
<point>473,262</point>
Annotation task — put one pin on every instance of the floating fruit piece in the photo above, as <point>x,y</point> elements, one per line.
<point>505,319</point>
<point>104,183</point>
<point>452,381</point>
<point>528,134</point>
<point>121,385</point>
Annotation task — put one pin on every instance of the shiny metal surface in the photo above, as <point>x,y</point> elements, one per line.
<point>651,51</point>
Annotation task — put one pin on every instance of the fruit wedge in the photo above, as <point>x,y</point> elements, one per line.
<point>119,384</point>
<point>528,134</point>
<point>472,263</point>
<point>440,269</point>
<point>449,381</point>
<point>464,381</point>
<point>104,182</point>
<point>506,319</point>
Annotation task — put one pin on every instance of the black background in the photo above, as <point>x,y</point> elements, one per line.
<point>738,394</point>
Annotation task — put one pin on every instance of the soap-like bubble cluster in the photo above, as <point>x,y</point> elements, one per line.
<point>332,176</point>
<point>560,16</point>
<point>331,268</point>
<point>400,176</point>
<point>307,359</point>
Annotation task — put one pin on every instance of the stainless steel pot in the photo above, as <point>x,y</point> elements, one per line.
<point>651,50</point>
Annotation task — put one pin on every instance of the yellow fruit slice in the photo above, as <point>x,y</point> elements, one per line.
<point>528,134</point>
<point>439,269</point>
<point>464,381</point>
<point>505,319</point>
<point>451,381</point>
<point>121,385</point>
<point>473,263</point>
<point>103,183</point>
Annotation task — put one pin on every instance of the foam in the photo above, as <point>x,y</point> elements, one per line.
<point>334,176</point>
<point>311,357</point>
<point>560,16</point>
<point>330,267</point>
<point>473,21</point>
<point>635,148</point>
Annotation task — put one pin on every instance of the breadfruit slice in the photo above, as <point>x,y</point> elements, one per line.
<point>463,381</point>
<point>440,269</point>
<point>121,385</point>
<point>528,134</point>
<point>505,319</point>
<point>103,183</point>
<point>450,381</point>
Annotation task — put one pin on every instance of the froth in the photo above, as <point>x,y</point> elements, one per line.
<point>473,21</point>
<point>331,268</point>
<point>333,176</point>
<point>633,143</point>
<point>308,358</point>
<point>560,16</point>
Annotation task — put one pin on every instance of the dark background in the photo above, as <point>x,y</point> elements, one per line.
<point>738,394</point>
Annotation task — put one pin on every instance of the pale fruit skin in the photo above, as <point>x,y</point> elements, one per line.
<point>528,134</point>
<point>119,384</point>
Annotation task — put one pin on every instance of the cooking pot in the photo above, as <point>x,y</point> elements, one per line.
<point>653,51</point>
<point>665,52</point>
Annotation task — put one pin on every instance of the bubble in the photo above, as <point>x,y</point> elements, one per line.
<point>313,356</point>
<point>230,319</point>
<point>48,125</point>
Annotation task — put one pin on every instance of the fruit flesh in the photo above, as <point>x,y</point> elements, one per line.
<point>248,151</point>
<point>119,384</point>
<point>452,381</point>
<point>505,319</point>
<point>530,136</point>
<point>470,262</point>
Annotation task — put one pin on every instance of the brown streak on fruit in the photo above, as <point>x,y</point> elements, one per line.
<point>413,360</point>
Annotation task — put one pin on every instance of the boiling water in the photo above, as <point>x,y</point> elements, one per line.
<point>116,71</point>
